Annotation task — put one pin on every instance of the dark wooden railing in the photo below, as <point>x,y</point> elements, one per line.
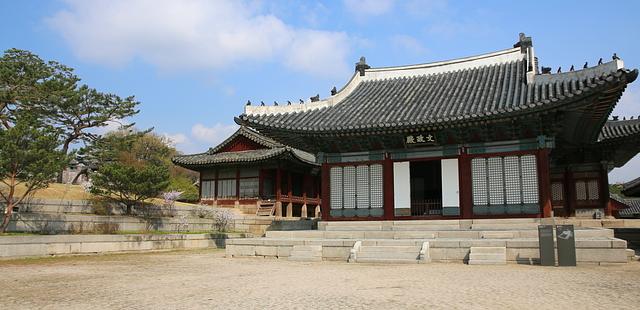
<point>426,207</point>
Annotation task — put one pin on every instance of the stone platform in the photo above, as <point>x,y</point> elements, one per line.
<point>435,240</point>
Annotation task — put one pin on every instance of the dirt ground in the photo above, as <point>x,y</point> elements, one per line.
<point>205,279</point>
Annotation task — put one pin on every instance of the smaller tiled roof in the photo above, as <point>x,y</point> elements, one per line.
<point>273,150</point>
<point>634,207</point>
<point>614,129</point>
<point>632,188</point>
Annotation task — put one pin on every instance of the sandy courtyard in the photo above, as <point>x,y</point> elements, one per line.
<point>205,279</point>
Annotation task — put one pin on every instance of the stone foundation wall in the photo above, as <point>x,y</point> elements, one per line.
<point>29,246</point>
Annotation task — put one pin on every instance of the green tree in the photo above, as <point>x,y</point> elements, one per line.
<point>88,108</point>
<point>130,184</point>
<point>29,157</point>
<point>50,92</point>
<point>29,84</point>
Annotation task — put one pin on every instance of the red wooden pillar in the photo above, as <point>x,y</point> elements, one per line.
<point>260,183</point>
<point>215,186</point>
<point>544,181</point>
<point>326,205</point>
<point>466,191</point>
<point>278,181</point>
<point>289,191</point>
<point>237,184</point>
<point>200,187</point>
<point>604,191</point>
<point>387,176</point>
<point>569,192</point>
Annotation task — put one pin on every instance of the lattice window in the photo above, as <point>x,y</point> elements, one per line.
<point>362,199</point>
<point>227,188</point>
<point>208,188</point>
<point>479,181</point>
<point>512,180</point>
<point>349,187</point>
<point>581,190</point>
<point>496,180</point>
<point>377,186</point>
<point>594,193</point>
<point>557,191</point>
<point>249,188</point>
<point>335,176</point>
<point>529,172</point>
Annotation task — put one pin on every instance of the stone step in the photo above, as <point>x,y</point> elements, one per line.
<point>306,253</point>
<point>390,248</point>
<point>387,261</point>
<point>488,256</point>
<point>389,252</point>
<point>483,256</point>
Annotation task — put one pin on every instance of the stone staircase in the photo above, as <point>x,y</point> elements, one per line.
<point>488,256</point>
<point>306,253</point>
<point>421,241</point>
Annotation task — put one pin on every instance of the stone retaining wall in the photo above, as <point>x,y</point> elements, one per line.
<point>28,246</point>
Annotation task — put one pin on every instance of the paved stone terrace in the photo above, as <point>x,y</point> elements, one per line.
<point>207,280</point>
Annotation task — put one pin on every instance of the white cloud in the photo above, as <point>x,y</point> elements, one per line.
<point>408,43</point>
<point>175,139</point>
<point>195,34</point>
<point>364,8</point>
<point>629,104</point>
<point>212,135</point>
<point>111,126</point>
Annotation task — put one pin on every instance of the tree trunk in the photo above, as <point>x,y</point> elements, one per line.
<point>7,216</point>
<point>65,149</point>
<point>128,209</point>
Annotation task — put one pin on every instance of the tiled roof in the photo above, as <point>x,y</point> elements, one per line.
<point>619,129</point>
<point>631,188</point>
<point>273,150</point>
<point>633,209</point>
<point>204,159</point>
<point>431,95</point>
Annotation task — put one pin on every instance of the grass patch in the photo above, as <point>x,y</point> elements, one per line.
<point>81,258</point>
<point>17,234</point>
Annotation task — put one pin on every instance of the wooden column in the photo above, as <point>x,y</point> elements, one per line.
<point>200,187</point>
<point>215,187</point>
<point>544,182</point>
<point>387,176</point>
<point>604,191</point>
<point>238,184</point>
<point>278,181</point>
<point>569,192</point>
<point>278,203</point>
<point>466,191</point>
<point>289,190</point>
<point>260,184</point>
<point>326,205</point>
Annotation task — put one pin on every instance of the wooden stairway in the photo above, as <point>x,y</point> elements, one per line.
<point>266,209</point>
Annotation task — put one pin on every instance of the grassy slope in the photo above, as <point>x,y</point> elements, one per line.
<point>71,192</point>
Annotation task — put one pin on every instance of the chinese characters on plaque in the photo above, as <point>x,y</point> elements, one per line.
<point>420,139</point>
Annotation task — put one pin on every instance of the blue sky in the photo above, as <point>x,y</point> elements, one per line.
<point>194,64</point>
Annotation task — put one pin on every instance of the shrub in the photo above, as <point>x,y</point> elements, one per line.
<point>222,218</point>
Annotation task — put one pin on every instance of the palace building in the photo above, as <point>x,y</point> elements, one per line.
<point>257,175</point>
<point>487,136</point>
